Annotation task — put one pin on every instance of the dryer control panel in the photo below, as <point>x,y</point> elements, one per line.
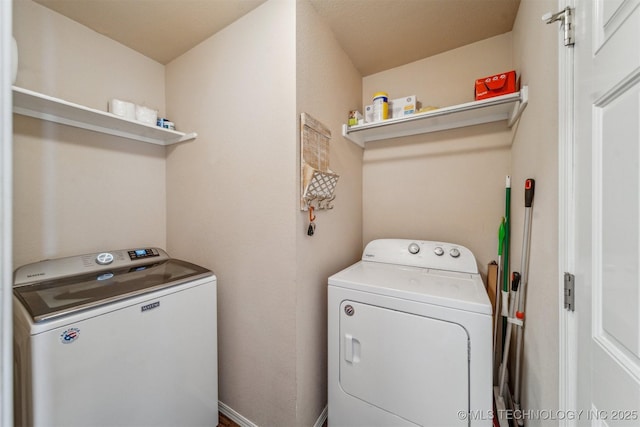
<point>421,253</point>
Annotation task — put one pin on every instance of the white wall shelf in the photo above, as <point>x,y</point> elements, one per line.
<point>34,104</point>
<point>506,107</point>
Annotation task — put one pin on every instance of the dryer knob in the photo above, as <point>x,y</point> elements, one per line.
<point>438,251</point>
<point>414,248</point>
<point>455,252</point>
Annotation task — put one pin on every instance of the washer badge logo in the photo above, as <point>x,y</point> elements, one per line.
<point>150,306</point>
<point>70,335</point>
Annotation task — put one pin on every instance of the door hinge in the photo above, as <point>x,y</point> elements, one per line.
<point>569,291</point>
<point>566,18</point>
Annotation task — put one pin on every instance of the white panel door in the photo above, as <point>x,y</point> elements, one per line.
<point>607,242</point>
<point>412,366</point>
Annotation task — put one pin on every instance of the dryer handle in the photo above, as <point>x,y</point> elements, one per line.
<point>351,349</point>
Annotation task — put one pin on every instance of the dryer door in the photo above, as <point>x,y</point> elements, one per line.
<point>413,366</point>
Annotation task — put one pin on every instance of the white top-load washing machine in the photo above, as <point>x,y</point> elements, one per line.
<point>409,338</point>
<point>121,338</point>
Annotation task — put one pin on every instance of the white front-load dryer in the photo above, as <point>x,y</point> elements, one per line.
<point>409,338</point>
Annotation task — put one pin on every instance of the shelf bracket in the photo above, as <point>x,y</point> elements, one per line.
<point>520,106</point>
<point>351,137</point>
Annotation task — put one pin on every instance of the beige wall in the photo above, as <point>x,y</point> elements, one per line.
<point>446,186</point>
<point>61,58</point>
<point>76,191</point>
<point>535,155</point>
<point>232,200</point>
<point>466,206</point>
<point>232,195</point>
<point>328,86</point>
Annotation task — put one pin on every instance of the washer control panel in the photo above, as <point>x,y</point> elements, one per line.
<point>142,253</point>
<point>106,258</point>
<point>99,262</point>
<point>420,253</point>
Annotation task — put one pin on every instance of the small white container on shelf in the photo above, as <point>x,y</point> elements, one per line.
<point>122,108</point>
<point>146,115</point>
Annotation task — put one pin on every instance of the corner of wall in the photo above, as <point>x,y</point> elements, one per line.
<point>328,86</point>
<point>535,155</point>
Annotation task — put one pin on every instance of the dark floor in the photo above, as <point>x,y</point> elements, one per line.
<point>223,421</point>
<point>226,422</point>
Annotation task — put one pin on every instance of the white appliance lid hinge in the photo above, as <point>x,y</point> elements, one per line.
<point>569,291</point>
<point>565,16</point>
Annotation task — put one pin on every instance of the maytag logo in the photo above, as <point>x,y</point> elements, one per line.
<point>35,274</point>
<point>150,306</point>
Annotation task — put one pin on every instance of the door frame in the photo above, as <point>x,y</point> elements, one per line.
<point>6,185</point>
<point>567,328</point>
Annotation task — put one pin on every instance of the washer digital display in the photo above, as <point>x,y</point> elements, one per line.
<point>142,253</point>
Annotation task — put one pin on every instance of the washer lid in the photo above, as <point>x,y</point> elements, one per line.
<point>462,291</point>
<point>49,299</point>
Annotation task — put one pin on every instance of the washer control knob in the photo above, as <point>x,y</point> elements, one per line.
<point>438,251</point>
<point>104,258</point>
<point>455,252</point>
<point>414,248</point>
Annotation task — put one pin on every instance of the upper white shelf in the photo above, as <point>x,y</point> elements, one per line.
<point>506,107</point>
<point>34,104</point>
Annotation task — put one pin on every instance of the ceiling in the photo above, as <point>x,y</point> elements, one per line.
<point>376,34</point>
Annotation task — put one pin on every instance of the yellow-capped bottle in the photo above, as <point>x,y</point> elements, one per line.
<point>380,106</point>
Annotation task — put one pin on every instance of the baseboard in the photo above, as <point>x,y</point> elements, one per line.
<point>234,416</point>
<point>322,418</point>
